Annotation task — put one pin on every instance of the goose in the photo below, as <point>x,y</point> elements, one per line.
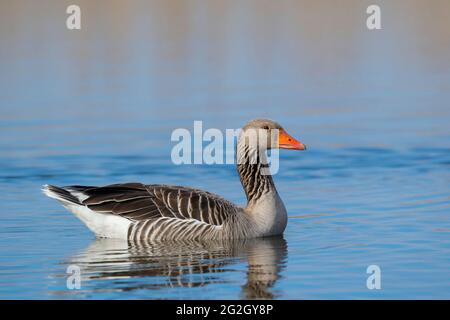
<point>137,211</point>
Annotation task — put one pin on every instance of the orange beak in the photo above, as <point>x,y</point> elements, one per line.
<point>285,141</point>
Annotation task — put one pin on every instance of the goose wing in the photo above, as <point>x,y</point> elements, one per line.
<point>138,202</point>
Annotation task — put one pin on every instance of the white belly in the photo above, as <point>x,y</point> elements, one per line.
<point>103,225</point>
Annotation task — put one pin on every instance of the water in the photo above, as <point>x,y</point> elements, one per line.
<point>97,106</point>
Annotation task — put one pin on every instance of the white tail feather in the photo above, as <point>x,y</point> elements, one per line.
<point>102,224</point>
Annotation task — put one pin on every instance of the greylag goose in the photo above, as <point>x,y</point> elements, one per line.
<point>160,212</point>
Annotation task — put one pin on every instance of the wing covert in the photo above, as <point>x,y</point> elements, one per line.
<point>139,202</point>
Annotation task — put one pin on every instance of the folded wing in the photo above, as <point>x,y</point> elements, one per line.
<point>138,202</point>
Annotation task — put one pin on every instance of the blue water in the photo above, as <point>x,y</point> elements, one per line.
<point>98,106</point>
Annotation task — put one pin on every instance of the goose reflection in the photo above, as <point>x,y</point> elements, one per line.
<point>153,265</point>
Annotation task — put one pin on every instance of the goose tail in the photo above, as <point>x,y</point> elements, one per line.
<point>103,225</point>
<point>60,194</point>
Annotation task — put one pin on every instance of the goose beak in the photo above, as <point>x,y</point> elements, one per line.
<point>285,141</point>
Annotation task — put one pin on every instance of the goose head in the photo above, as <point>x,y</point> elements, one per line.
<point>266,134</point>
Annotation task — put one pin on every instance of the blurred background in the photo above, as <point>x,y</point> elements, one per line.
<point>98,105</point>
<point>151,66</point>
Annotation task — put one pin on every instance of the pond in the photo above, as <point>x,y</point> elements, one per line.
<point>98,105</point>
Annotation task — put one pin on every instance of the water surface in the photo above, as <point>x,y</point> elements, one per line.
<point>98,106</point>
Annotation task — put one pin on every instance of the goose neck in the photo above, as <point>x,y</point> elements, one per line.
<point>254,173</point>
